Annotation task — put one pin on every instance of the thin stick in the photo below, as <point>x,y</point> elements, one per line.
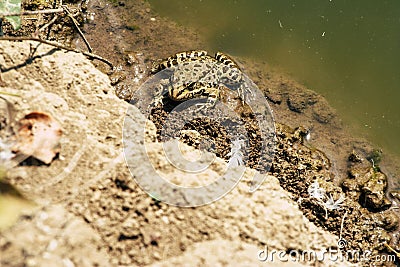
<point>393,250</point>
<point>49,23</point>
<point>27,38</point>
<point>341,225</point>
<point>10,94</point>
<point>35,12</point>
<point>78,29</point>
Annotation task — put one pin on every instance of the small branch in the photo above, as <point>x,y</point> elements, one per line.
<point>393,250</point>
<point>35,12</point>
<point>341,225</point>
<point>26,38</point>
<point>1,27</point>
<point>76,24</point>
<point>9,94</point>
<point>48,24</point>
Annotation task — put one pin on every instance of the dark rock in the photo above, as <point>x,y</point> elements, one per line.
<point>388,220</point>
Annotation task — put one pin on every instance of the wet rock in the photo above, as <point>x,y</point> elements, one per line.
<point>273,96</point>
<point>355,157</point>
<point>374,189</point>
<point>296,105</point>
<point>369,185</point>
<point>300,100</point>
<point>322,112</point>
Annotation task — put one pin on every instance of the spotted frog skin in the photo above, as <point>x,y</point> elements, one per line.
<point>198,75</point>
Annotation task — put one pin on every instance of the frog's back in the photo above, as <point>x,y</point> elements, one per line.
<point>178,58</point>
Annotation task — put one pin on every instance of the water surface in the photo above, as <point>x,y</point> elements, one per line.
<point>348,51</point>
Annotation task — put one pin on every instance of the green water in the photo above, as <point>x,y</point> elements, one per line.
<point>348,51</point>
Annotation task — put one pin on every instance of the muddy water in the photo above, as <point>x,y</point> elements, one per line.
<point>348,51</point>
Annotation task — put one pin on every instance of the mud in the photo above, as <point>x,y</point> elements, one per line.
<point>132,37</point>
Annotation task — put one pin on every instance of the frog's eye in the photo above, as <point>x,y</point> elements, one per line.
<point>157,66</point>
<point>199,53</point>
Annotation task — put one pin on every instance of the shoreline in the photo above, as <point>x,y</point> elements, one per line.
<point>133,44</point>
<point>149,37</point>
<point>148,41</point>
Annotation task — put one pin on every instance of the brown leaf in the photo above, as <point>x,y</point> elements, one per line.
<point>38,136</point>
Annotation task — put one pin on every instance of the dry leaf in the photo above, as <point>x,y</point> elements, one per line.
<point>38,136</point>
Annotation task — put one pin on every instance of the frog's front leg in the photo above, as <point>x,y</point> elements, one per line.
<point>244,93</point>
<point>212,93</point>
<point>161,91</point>
<point>213,96</point>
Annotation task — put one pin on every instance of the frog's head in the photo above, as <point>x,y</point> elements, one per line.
<point>156,67</point>
<point>160,65</point>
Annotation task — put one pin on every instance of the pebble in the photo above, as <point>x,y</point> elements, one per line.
<point>180,216</point>
<point>68,263</point>
<point>157,255</point>
<point>165,219</point>
<point>52,245</point>
<point>31,262</point>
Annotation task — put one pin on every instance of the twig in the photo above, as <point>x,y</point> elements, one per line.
<point>35,12</point>
<point>49,23</point>
<point>1,27</point>
<point>10,94</point>
<point>341,225</point>
<point>393,250</point>
<point>27,38</point>
<point>76,24</point>
<point>63,8</point>
<point>38,20</point>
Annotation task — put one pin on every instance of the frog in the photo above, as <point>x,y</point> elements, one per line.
<point>196,74</point>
